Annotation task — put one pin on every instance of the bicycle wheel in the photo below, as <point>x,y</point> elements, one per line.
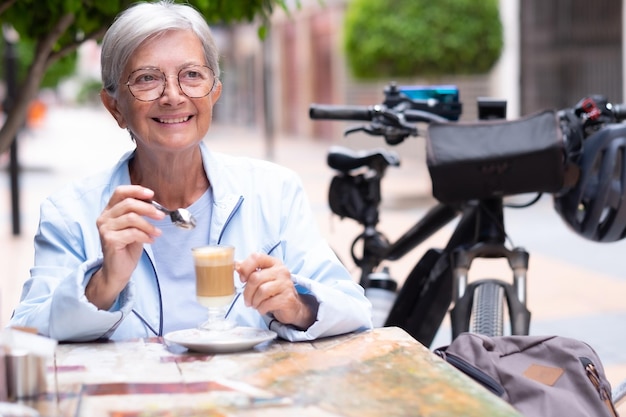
<point>487,316</point>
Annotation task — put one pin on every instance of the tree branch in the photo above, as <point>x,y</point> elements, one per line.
<point>71,47</point>
<point>5,5</point>
<point>27,91</point>
<point>45,45</point>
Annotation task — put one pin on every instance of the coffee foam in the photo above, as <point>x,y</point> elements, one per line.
<point>213,256</point>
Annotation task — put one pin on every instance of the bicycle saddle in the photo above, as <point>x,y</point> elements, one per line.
<point>346,159</point>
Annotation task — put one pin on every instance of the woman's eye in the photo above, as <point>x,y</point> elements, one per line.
<point>190,75</point>
<point>147,78</point>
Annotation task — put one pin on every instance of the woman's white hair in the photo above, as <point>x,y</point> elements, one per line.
<point>146,20</point>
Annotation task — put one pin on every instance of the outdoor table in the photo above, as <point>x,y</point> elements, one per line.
<point>381,372</point>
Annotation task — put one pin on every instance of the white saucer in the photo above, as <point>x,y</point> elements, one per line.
<point>17,410</point>
<point>207,341</point>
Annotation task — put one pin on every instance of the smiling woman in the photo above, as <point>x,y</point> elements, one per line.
<point>110,264</point>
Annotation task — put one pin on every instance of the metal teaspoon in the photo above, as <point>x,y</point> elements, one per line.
<point>180,217</point>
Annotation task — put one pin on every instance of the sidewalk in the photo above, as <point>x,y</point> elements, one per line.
<point>576,289</point>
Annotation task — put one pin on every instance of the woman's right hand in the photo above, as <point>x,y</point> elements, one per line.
<point>123,231</point>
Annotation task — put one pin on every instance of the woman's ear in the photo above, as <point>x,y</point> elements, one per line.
<point>112,106</point>
<point>217,92</point>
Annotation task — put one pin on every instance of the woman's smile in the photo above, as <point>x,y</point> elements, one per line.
<point>173,120</point>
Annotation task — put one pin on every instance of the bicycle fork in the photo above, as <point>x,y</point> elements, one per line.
<point>464,292</point>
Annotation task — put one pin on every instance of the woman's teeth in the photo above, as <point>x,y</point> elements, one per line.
<point>178,120</point>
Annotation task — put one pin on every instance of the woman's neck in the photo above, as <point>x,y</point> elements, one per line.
<point>177,180</point>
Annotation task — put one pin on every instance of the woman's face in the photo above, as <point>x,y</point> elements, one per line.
<point>173,121</point>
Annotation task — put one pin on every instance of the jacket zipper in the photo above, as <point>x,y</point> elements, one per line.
<point>476,374</point>
<point>594,377</point>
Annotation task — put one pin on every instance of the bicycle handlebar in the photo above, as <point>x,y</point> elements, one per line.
<point>394,117</point>
<point>334,112</point>
<point>369,113</point>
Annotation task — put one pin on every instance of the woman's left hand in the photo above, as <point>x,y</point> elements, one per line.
<point>269,290</point>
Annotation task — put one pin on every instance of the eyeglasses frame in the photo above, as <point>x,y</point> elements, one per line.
<point>165,77</point>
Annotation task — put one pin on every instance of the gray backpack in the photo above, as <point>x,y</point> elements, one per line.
<point>541,376</point>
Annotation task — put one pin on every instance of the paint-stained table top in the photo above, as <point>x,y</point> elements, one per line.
<point>383,372</point>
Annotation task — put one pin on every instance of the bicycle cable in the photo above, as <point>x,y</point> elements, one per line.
<point>528,204</point>
<point>500,225</point>
<point>497,223</point>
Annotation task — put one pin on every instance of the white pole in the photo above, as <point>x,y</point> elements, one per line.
<point>506,75</point>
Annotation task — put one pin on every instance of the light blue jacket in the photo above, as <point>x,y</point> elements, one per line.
<point>258,207</point>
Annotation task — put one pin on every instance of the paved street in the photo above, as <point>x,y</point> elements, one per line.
<point>576,288</point>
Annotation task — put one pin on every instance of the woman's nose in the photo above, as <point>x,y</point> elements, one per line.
<point>172,89</point>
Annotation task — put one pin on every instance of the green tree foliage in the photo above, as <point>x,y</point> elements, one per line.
<point>409,38</point>
<point>56,28</point>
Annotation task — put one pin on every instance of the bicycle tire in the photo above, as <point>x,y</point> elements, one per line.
<point>487,314</point>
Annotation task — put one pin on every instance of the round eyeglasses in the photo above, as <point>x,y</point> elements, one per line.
<point>148,84</point>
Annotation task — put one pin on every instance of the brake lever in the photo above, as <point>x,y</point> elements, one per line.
<point>355,129</point>
<point>398,121</point>
<point>393,135</point>
<point>392,125</point>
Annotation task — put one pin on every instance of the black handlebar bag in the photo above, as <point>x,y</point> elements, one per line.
<point>495,158</point>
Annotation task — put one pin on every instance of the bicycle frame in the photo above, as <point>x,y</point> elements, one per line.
<point>440,277</point>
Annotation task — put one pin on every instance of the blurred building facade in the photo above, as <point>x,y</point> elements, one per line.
<point>555,53</point>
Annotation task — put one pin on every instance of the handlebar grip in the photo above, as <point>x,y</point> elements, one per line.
<point>334,112</point>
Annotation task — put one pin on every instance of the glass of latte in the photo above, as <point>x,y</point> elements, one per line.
<point>215,286</point>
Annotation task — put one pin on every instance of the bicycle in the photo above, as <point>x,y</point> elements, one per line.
<point>439,278</point>
<point>438,283</point>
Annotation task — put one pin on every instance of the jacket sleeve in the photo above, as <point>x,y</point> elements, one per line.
<point>316,270</point>
<point>53,299</point>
